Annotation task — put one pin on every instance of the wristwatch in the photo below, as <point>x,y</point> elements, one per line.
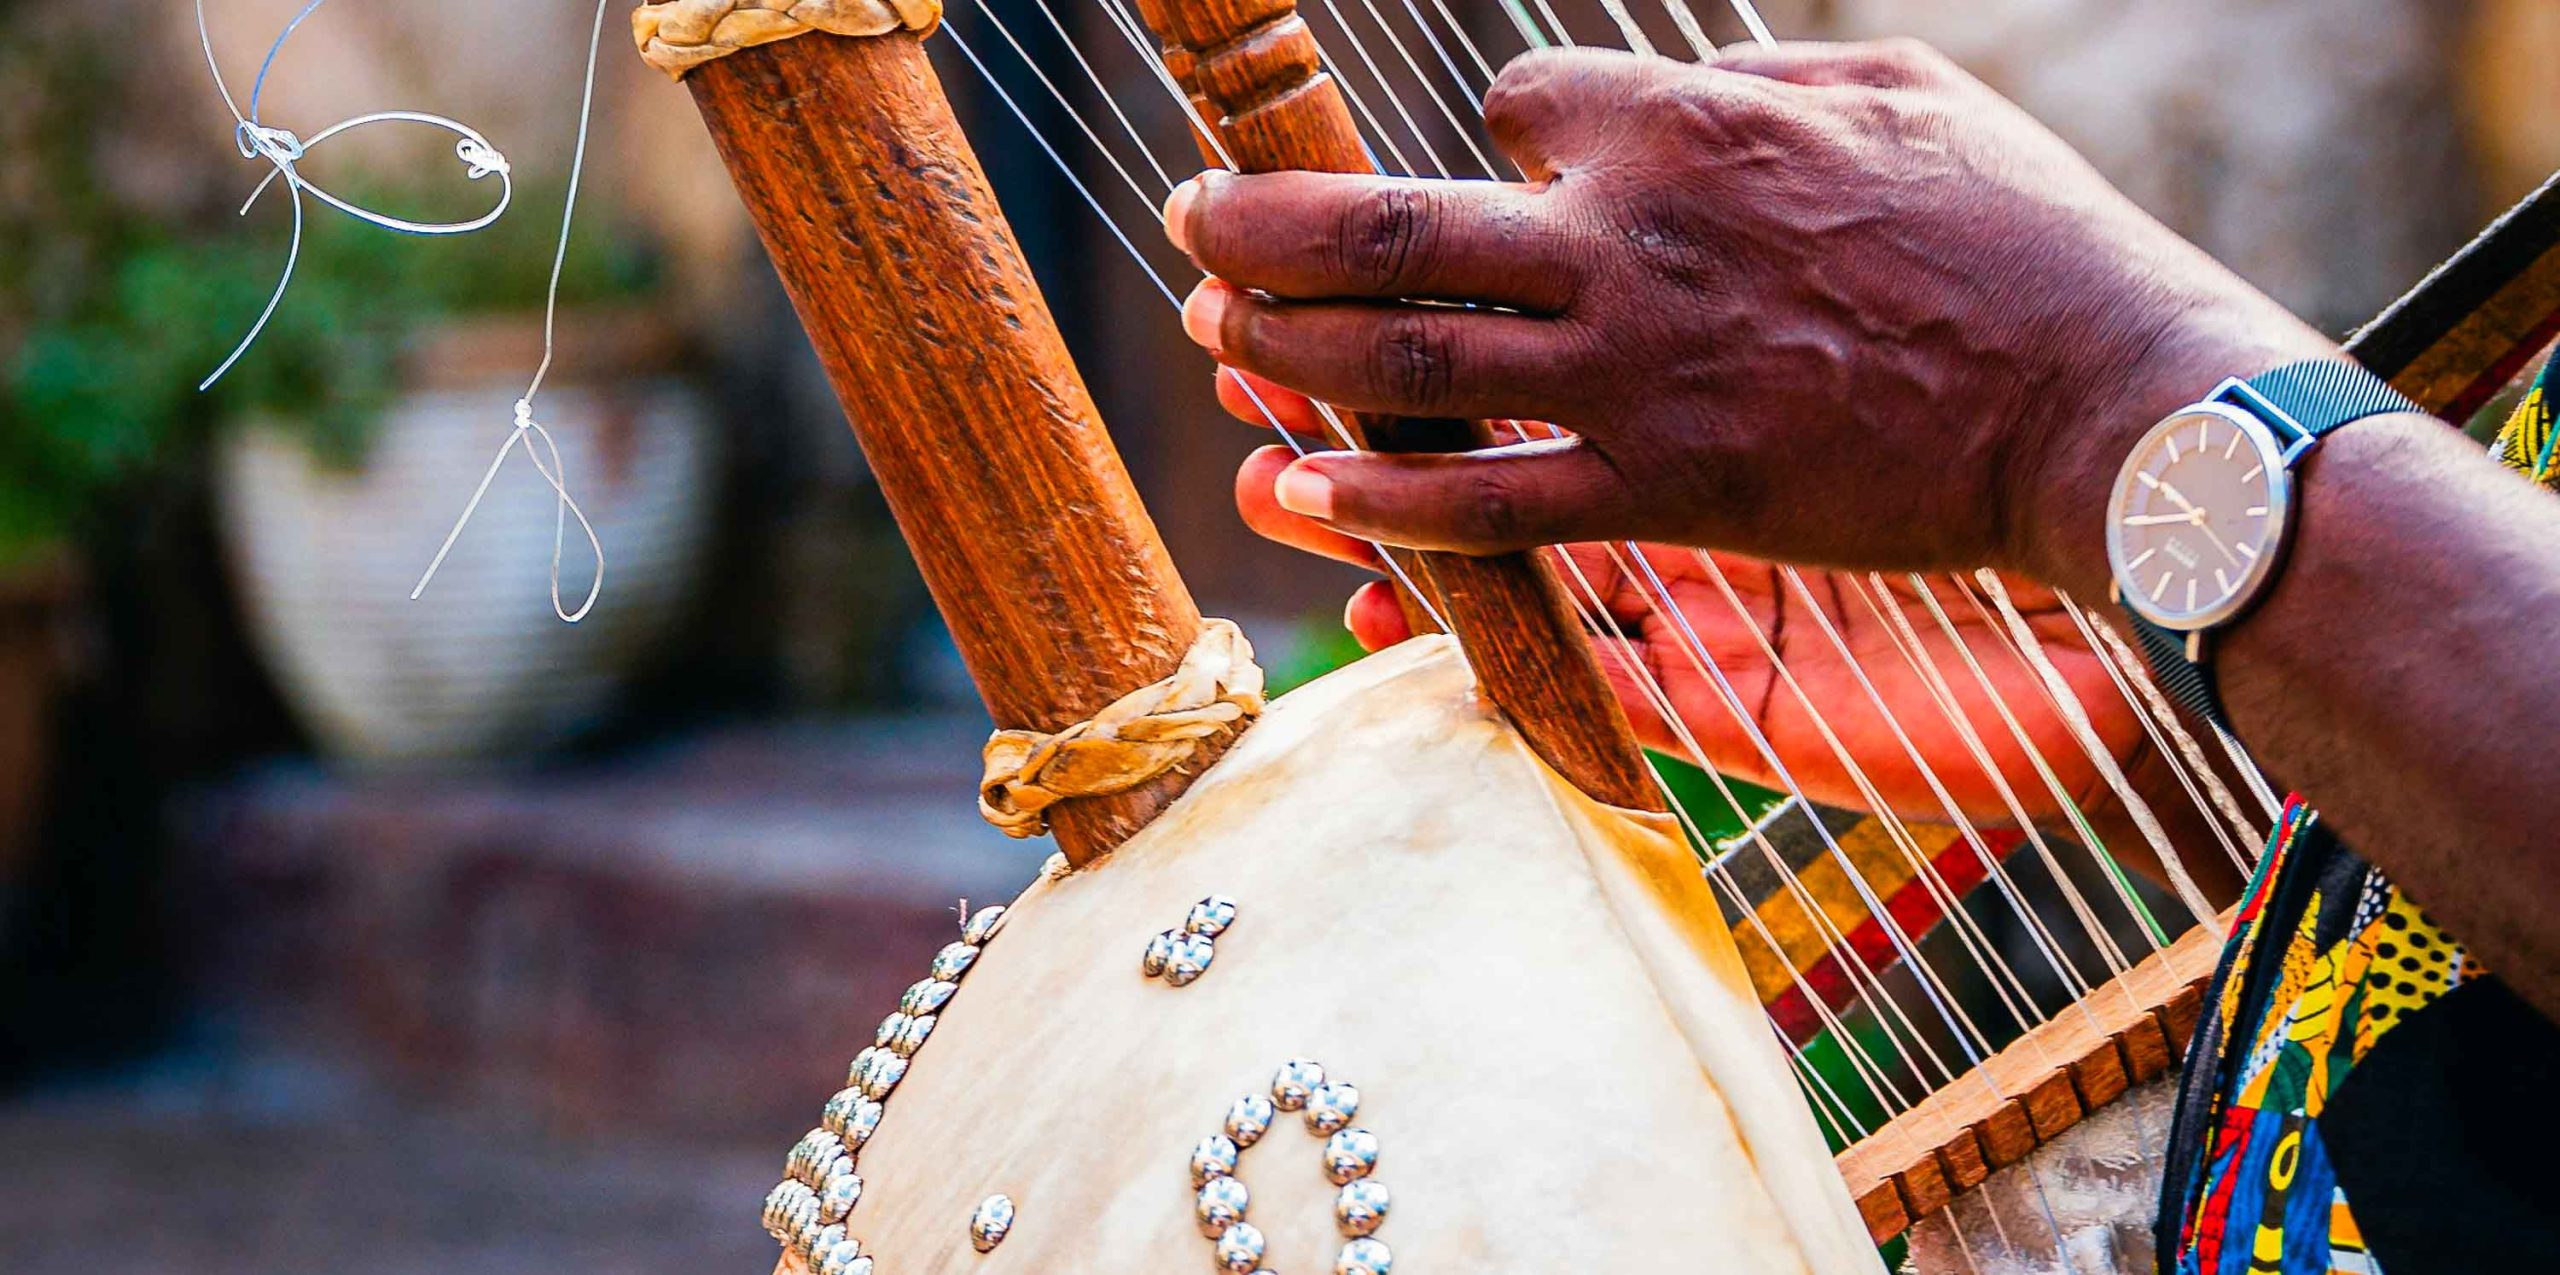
<point>2201,515</point>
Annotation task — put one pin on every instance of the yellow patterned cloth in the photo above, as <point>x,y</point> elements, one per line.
<point>2327,958</point>
<point>2525,444</point>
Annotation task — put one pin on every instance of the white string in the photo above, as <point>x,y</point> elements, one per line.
<point>1750,15</point>
<point>527,430</point>
<point>2067,706</point>
<point>283,152</point>
<point>2159,719</point>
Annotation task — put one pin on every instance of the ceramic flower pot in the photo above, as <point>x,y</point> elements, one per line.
<point>480,667</point>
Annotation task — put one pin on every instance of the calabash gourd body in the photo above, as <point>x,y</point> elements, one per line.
<point>1552,1038</point>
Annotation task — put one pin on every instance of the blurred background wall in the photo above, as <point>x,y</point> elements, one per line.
<point>338,928</point>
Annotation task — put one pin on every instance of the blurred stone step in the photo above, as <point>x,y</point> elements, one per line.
<point>692,941</point>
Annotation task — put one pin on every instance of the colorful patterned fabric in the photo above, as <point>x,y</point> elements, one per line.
<point>2326,959</point>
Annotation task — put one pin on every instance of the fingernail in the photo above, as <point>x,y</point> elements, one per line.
<point>1203,312</point>
<point>1177,213</point>
<point>1304,492</point>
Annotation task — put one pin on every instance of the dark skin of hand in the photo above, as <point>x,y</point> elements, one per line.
<point>1845,307</point>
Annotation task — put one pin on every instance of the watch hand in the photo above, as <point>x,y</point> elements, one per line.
<point>2216,540</point>
<point>2180,501</point>
<point>2156,520</point>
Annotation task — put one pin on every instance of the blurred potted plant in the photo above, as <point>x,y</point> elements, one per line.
<point>349,437</point>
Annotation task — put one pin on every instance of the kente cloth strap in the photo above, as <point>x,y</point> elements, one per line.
<point>1137,737</point>
<point>676,36</point>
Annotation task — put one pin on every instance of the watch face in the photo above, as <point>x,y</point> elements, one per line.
<point>2197,516</point>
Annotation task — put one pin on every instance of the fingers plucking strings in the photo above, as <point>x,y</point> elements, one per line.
<point>1280,488</point>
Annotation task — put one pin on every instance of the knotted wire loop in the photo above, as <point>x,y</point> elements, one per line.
<point>676,36</point>
<point>1137,737</point>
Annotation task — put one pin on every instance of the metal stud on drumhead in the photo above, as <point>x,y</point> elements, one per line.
<point>1240,1249</point>
<point>1361,1206</point>
<point>992,1221</point>
<point>1221,1204</point>
<point>927,996</point>
<point>842,1191</point>
<point>1350,1155</point>
<point>1296,1079</point>
<point>888,1029</point>
<point>1364,1257</point>
<point>982,926</point>
<point>1331,1107</point>
<point>912,1030</point>
<point>1249,1119</point>
<point>1189,960</point>
<point>1215,1157</point>
<point>1211,916</point>
<point>883,1075</point>
<point>954,960</point>
<point>1158,955</point>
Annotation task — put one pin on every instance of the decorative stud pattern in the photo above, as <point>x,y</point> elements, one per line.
<point>991,1222</point>
<point>1180,957</point>
<point>1361,1205</point>
<point>808,1212</point>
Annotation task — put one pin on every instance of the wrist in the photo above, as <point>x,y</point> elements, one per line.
<point>2058,526</point>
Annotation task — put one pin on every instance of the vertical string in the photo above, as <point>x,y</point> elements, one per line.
<point>529,431</point>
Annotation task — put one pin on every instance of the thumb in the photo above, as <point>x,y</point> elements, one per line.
<point>1481,502</point>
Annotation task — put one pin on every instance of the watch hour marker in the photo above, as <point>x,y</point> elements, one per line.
<point>2256,511</point>
<point>2221,581</point>
<point>2172,445</point>
<point>2252,475</point>
<point>2191,593</point>
<point>2146,479</point>
<point>2162,586</point>
<point>2248,550</point>
<point>2232,446</point>
<point>2144,557</point>
<point>2204,435</point>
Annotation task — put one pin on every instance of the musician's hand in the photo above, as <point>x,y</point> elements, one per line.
<point>1830,630</point>
<point>1839,305</point>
